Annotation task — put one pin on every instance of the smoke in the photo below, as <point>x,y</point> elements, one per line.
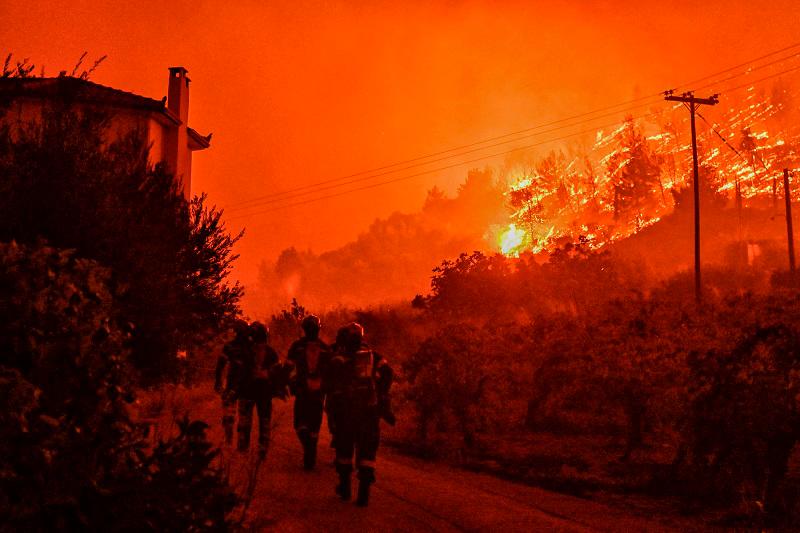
<point>629,189</point>
<point>393,259</point>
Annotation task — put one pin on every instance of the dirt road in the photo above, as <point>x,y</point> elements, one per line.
<point>410,495</point>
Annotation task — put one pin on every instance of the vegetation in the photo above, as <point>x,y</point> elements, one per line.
<point>72,457</point>
<point>63,184</point>
<point>106,275</point>
<point>576,375</point>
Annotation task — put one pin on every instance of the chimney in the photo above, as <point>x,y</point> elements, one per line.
<point>178,95</point>
<point>178,157</point>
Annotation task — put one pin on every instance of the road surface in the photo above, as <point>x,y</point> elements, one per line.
<point>410,494</point>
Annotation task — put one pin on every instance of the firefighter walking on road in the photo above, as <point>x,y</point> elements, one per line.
<point>308,357</point>
<point>232,358</point>
<point>362,379</point>
<point>334,396</point>
<point>255,389</point>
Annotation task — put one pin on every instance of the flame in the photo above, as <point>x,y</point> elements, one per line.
<point>575,197</point>
<point>512,240</point>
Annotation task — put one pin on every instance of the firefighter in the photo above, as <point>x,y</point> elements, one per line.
<point>363,378</point>
<point>308,356</point>
<point>333,394</point>
<point>255,389</point>
<point>231,358</point>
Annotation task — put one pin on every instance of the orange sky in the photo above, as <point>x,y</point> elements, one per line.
<point>297,92</point>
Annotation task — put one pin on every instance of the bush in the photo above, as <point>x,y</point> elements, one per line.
<point>61,181</point>
<point>460,380</point>
<point>70,456</point>
<point>715,385</point>
<point>744,418</point>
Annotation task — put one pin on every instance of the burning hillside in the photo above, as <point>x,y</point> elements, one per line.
<point>623,171</point>
<point>631,175</point>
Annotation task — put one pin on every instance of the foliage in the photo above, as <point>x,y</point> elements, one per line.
<point>472,283</point>
<point>635,172</point>
<point>453,381</point>
<point>23,68</point>
<point>70,456</point>
<point>744,416</point>
<point>713,386</point>
<point>478,286</point>
<point>20,68</point>
<point>61,181</point>
<point>284,327</point>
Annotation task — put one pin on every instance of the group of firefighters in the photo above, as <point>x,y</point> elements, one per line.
<point>348,381</point>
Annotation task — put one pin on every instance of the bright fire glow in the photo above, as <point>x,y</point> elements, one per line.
<point>511,240</point>
<point>631,176</point>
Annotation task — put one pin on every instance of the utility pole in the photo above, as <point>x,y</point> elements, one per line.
<point>789,234</point>
<point>693,103</point>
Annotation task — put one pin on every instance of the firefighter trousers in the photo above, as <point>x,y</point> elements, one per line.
<point>261,401</point>
<point>357,434</point>
<point>308,417</point>
<point>228,414</point>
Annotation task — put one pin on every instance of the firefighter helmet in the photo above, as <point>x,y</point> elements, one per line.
<point>241,329</point>
<point>311,326</point>
<point>341,337</point>
<point>259,332</point>
<point>355,334</point>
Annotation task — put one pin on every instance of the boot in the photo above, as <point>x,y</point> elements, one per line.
<point>343,488</point>
<point>363,493</point>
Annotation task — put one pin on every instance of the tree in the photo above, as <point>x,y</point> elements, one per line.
<point>634,171</point>
<point>71,458</point>
<point>472,284</point>
<point>60,181</point>
<point>452,377</point>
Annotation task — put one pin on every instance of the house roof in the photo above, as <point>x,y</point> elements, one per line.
<point>90,92</point>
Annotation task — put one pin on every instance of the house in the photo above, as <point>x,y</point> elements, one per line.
<point>164,121</point>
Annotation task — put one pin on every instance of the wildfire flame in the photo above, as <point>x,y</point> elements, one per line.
<point>626,180</point>
<point>512,240</point>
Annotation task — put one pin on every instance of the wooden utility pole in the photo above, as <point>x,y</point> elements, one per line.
<point>789,234</point>
<point>693,103</point>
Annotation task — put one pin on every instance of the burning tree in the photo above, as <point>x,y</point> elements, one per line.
<point>635,173</point>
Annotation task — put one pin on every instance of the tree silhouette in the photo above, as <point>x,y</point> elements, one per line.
<point>62,182</point>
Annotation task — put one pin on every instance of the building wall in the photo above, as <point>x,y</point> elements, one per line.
<point>165,140</point>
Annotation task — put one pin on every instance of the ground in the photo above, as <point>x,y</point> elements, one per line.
<point>410,494</point>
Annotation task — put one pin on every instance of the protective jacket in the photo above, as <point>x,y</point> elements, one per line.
<point>308,359</point>
<point>359,381</point>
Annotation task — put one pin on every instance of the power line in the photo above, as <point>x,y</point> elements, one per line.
<point>765,78</point>
<point>765,65</point>
<point>271,200</point>
<point>476,143</point>
<point>722,137</point>
<point>292,192</point>
<point>740,65</point>
<point>438,160</point>
<point>402,178</point>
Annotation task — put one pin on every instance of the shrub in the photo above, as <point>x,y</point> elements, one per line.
<point>70,456</point>
<point>61,181</point>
